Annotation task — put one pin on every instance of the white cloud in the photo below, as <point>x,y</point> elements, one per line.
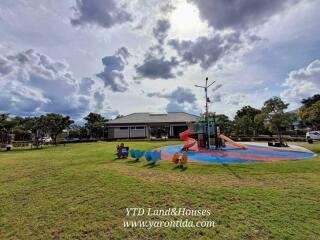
<point>33,83</point>
<point>302,83</point>
<point>256,71</point>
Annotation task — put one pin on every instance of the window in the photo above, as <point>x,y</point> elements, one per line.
<point>137,128</point>
<point>123,128</point>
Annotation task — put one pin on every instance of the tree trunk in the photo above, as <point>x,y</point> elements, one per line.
<point>54,138</point>
<point>279,136</point>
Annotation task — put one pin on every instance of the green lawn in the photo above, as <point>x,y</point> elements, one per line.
<point>81,192</point>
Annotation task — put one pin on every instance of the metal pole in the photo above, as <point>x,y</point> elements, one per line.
<point>207,118</point>
<point>207,131</point>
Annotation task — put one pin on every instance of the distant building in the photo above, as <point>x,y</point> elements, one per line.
<point>149,125</point>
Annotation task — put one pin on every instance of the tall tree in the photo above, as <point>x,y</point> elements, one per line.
<point>6,124</point>
<point>245,120</point>
<point>311,100</point>
<point>53,124</point>
<point>5,128</point>
<point>96,125</point>
<point>224,123</point>
<point>275,118</point>
<point>310,112</point>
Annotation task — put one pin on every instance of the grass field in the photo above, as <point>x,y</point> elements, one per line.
<point>81,192</point>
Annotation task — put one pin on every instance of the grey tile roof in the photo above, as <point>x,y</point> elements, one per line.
<point>171,117</point>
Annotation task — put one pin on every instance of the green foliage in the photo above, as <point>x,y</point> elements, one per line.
<point>53,124</point>
<point>310,112</point>
<point>119,116</point>
<point>275,119</point>
<point>5,122</point>
<point>96,125</point>
<point>245,120</point>
<point>309,101</point>
<point>274,105</point>
<point>224,123</point>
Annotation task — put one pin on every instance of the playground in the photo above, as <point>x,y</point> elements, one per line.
<point>229,154</point>
<point>204,142</point>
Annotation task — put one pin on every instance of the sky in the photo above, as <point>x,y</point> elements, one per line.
<point>118,57</point>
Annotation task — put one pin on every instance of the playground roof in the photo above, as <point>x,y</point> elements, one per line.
<point>170,117</point>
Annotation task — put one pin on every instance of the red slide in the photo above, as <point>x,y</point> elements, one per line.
<point>190,143</point>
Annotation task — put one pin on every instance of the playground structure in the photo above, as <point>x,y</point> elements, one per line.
<point>181,161</point>
<point>206,130</point>
<point>136,154</point>
<point>152,156</point>
<point>205,142</point>
<point>122,151</point>
<point>206,134</point>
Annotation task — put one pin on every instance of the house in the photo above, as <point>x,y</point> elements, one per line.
<point>150,125</point>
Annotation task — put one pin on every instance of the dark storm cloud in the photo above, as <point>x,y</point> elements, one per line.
<point>179,95</point>
<point>160,31</point>
<point>103,13</point>
<point>239,14</point>
<point>154,68</point>
<point>207,51</point>
<point>112,75</point>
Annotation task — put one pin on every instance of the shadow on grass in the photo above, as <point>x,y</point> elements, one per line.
<point>133,161</point>
<point>231,171</point>
<point>150,165</point>
<point>28,149</point>
<point>117,159</point>
<point>182,169</point>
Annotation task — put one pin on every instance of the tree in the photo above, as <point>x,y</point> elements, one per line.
<point>95,124</point>
<point>245,120</point>
<point>6,124</point>
<point>275,119</point>
<point>119,116</point>
<point>74,131</point>
<point>310,112</point>
<point>311,100</point>
<point>5,128</point>
<point>53,124</point>
<point>224,123</point>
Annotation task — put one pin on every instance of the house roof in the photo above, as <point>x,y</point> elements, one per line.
<point>170,117</point>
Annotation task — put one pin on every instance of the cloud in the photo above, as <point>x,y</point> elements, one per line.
<point>239,14</point>
<point>179,95</point>
<point>103,13</point>
<point>216,98</point>
<point>216,87</point>
<point>168,7</point>
<point>112,75</point>
<point>207,51</point>
<point>160,31</point>
<point>175,107</point>
<point>155,68</point>
<point>32,83</point>
<point>180,100</point>
<point>302,83</point>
